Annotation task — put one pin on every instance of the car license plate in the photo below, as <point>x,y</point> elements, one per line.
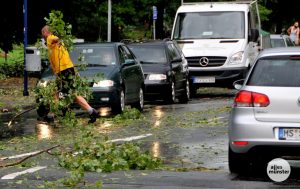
<point>204,80</point>
<point>289,134</point>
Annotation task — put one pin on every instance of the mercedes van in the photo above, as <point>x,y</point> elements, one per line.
<point>220,40</point>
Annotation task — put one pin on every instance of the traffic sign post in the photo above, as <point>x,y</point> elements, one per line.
<point>154,8</point>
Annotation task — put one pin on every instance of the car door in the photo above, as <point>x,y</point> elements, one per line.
<point>176,66</point>
<point>130,72</point>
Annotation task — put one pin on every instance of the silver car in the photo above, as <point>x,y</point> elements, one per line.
<point>265,118</point>
<point>278,40</point>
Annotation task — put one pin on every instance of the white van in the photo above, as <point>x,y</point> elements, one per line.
<point>219,40</point>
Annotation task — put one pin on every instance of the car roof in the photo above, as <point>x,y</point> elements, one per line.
<point>213,6</point>
<point>280,51</point>
<point>150,43</point>
<point>277,36</point>
<point>106,44</point>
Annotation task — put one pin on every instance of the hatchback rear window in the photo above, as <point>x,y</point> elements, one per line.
<point>276,72</point>
<point>277,42</point>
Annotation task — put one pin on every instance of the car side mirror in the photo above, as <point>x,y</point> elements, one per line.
<point>128,62</point>
<point>238,84</point>
<point>177,60</point>
<point>254,34</point>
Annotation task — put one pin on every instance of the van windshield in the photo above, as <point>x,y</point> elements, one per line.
<point>210,25</point>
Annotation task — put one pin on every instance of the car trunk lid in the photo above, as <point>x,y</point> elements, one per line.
<point>284,105</point>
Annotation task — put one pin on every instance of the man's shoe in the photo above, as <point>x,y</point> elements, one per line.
<point>94,116</point>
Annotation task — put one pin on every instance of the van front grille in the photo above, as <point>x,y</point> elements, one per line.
<point>211,61</point>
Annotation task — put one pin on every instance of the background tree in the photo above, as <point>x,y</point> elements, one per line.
<point>131,18</point>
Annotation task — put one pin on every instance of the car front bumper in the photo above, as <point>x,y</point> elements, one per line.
<point>102,97</point>
<point>221,76</point>
<point>156,88</point>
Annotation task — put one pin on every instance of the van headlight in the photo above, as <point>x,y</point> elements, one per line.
<point>157,77</point>
<point>237,58</point>
<point>104,83</point>
<point>42,83</point>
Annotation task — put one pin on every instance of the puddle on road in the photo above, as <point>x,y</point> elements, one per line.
<point>157,114</point>
<point>44,131</point>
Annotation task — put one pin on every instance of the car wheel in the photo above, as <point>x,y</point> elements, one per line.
<point>237,162</point>
<point>119,106</point>
<point>140,103</point>
<point>193,91</point>
<point>185,97</point>
<point>171,95</point>
<point>42,110</point>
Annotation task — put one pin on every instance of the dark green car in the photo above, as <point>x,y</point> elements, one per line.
<point>122,79</point>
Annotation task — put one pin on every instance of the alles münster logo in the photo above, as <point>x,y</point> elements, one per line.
<point>278,170</point>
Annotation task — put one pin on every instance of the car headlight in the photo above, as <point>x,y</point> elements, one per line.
<point>237,58</point>
<point>104,83</point>
<point>43,83</point>
<point>157,77</point>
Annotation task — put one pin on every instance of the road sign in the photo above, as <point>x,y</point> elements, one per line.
<point>154,8</point>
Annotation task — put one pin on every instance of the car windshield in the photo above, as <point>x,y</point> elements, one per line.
<point>277,42</point>
<point>210,25</point>
<point>149,54</point>
<point>94,55</point>
<point>276,72</point>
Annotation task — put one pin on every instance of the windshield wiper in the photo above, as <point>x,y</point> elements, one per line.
<point>150,62</point>
<point>96,65</point>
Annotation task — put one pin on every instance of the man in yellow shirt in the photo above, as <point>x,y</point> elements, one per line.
<point>63,68</point>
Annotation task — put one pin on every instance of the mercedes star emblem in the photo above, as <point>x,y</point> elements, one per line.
<point>204,61</point>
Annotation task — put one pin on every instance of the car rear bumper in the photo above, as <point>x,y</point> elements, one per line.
<point>261,136</point>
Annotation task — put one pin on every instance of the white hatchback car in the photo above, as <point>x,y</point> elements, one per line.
<point>265,118</point>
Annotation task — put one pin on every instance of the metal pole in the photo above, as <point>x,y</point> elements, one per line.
<point>25,92</point>
<point>109,22</point>
<point>154,30</point>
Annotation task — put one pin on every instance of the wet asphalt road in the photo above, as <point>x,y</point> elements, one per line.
<point>190,136</point>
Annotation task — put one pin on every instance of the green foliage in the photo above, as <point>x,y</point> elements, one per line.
<point>264,13</point>
<point>59,28</point>
<point>14,66</point>
<point>128,114</point>
<point>48,97</point>
<point>107,157</point>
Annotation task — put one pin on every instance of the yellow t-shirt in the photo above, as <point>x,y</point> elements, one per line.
<point>58,55</point>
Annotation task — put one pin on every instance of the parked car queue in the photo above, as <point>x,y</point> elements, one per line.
<point>126,79</point>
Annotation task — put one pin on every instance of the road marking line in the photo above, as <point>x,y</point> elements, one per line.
<point>130,138</point>
<point>14,175</point>
<point>19,156</point>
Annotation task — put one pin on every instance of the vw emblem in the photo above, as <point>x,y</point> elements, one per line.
<point>204,61</point>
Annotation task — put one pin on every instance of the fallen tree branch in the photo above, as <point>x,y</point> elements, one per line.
<point>10,122</point>
<point>29,156</point>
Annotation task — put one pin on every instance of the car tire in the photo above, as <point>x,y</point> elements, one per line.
<point>119,106</point>
<point>140,103</point>
<point>171,94</point>
<point>42,110</point>
<point>238,163</point>
<point>193,91</point>
<point>185,97</point>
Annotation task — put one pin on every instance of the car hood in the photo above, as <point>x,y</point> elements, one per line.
<point>211,47</point>
<point>105,72</point>
<point>149,68</point>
